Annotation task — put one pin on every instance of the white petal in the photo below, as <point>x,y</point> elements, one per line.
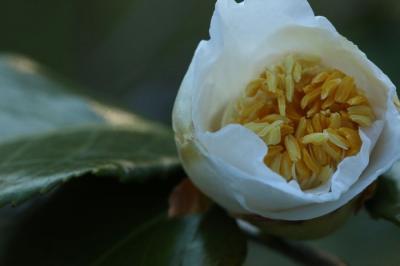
<point>208,176</point>
<point>245,38</point>
<point>256,19</point>
<point>259,190</point>
<point>240,48</point>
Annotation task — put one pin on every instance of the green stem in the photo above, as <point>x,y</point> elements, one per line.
<point>300,253</point>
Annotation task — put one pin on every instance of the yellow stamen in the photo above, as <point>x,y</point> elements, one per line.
<point>309,97</point>
<point>332,151</point>
<point>353,138</point>
<point>321,77</point>
<point>335,120</point>
<point>281,103</point>
<point>319,153</point>
<point>274,150</point>
<point>329,87</point>
<point>336,139</point>
<point>301,128</point>
<point>357,100</point>
<point>326,173</point>
<point>272,82</point>
<point>314,109</point>
<point>310,162</point>
<point>289,82</point>
<point>297,72</point>
<point>316,123</point>
<point>293,148</point>
<point>275,117</point>
<point>345,89</point>
<point>276,163</point>
<point>315,138</point>
<point>307,114</point>
<point>286,166</point>
<point>309,127</point>
<point>253,87</point>
<point>328,102</point>
<point>362,120</point>
<point>303,174</point>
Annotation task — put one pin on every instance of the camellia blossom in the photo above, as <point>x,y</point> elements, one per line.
<point>280,116</point>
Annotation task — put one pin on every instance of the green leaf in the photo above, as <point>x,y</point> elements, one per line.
<point>49,134</point>
<point>37,164</point>
<point>31,102</point>
<point>386,202</point>
<point>109,224</point>
<point>210,239</point>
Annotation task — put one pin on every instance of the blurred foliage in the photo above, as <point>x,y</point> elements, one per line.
<point>132,52</point>
<point>386,202</point>
<point>362,241</point>
<point>111,226</point>
<point>127,51</point>
<point>53,135</point>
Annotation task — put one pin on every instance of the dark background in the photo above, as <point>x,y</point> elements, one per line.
<point>134,54</point>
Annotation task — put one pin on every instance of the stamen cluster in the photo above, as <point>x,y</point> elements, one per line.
<point>307,114</point>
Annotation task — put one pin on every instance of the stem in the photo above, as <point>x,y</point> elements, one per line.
<point>300,253</point>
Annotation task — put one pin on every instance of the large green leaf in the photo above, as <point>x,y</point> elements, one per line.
<point>49,135</point>
<point>210,239</point>
<point>110,224</point>
<point>386,201</point>
<point>36,164</point>
<point>31,102</point>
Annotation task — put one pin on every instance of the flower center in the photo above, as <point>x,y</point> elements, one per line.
<point>307,114</point>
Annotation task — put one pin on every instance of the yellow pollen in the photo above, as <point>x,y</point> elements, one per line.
<point>308,115</point>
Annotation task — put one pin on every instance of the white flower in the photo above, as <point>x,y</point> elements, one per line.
<point>227,163</point>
